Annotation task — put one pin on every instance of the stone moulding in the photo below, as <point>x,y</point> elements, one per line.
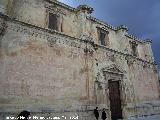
<point>103,28</point>
<point>122,27</point>
<point>100,22</point>
<point>61,4</point>
<point>135,38</point>
<point>89,9</point>
<point>129,59</point>
<point>36,31</point>
<point>114,68</point>
<point>147,41</point>
<point>85,7</point>
<point>54,9</point>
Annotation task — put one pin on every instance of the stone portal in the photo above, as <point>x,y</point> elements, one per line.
<point>113,76</point>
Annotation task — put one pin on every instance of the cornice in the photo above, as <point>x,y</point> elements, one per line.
<point>85,7</point>
<point>122,27</point>
<point>134,38</point>
<point>138,40</point>
<point>101,22</point>
<point>147,41</point>
<point>61,4</point>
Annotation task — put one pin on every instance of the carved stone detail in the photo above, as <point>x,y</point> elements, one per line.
<point>54,9</point>
<point>51,38</point>
<point>145,65</point>
<point>86,37</point>
<point>111,69</point>
<point>130,60</point>
<point>155,68</point>
<point>111,56</point>
<point>114,69</point>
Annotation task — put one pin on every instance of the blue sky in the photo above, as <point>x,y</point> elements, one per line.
<point>141,16</point>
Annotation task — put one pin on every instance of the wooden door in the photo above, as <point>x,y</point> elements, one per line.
<point>115,100</point>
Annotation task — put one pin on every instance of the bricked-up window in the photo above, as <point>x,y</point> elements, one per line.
<point>53,21</point>
<point>134,46</point>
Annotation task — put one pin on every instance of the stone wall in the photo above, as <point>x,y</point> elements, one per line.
<point>76,22</point>
<point>53,72</point>
<point>46,70</point>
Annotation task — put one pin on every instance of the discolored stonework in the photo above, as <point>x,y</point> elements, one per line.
<point>67,72</point>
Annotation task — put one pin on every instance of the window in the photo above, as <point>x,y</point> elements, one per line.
<point>103,37</point>
<point>53,21</point>
<point>134,48</point>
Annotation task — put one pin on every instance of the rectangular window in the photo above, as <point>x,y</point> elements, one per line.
<point>53,21</point>
<point>102,38</point>
<point>134,49</point>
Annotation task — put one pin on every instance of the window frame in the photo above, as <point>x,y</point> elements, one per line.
<point>102,30</point>
<point>53,10</point>
<point>57,21</point>
<point>102,36</point>
<point>134,48</point>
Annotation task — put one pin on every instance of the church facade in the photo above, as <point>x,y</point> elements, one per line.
<point>56,60</point>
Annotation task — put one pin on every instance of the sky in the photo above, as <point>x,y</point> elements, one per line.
<point>142,17</point>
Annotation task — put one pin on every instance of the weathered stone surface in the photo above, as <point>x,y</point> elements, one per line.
<point>66,72</point>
